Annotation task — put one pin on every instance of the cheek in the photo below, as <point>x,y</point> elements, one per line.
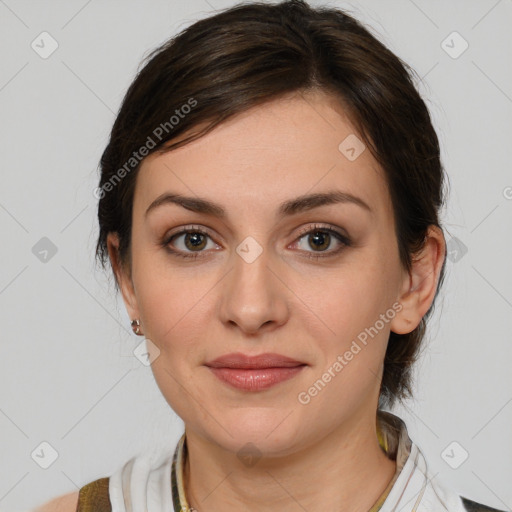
<point>168,298</point>
<point>355,354</point>
<point>177,321</point>
<point>353,297</point>
<point>356,306</point>
<point>178,328</point>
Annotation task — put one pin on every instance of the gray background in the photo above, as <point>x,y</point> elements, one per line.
<point>68,373</point>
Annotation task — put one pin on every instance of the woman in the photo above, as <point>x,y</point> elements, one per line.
<point>269,203</point>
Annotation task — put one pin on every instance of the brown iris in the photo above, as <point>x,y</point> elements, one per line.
<point>318,237</point>
<point>193,241</point>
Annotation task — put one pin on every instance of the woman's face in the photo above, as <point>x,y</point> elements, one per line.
<point>259,280</point>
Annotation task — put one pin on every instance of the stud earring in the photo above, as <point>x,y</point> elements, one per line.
<point>136,327</point>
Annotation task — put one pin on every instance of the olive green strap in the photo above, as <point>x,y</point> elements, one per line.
<point>94,497</point>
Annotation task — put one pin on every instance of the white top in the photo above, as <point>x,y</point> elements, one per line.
<point>141,486</point>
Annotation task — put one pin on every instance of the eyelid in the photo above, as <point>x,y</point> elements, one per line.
<point>189,227</point>
<point>322,227</point>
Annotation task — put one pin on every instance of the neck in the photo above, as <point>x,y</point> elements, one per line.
<point>346,470</point>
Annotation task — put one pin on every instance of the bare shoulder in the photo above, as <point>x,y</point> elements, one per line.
<point>65,503</point>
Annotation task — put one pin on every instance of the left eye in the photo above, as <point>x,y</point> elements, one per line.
<point>321,238</point>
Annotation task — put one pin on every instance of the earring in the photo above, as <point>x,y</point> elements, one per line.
<point>136,327</point>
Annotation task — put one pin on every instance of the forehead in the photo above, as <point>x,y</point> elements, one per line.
<point>304,143</point>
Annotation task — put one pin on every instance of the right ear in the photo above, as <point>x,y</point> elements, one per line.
<point>123,276</point>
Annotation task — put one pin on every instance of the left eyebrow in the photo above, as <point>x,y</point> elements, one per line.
<point>308,202</point>
<point>290,207</point>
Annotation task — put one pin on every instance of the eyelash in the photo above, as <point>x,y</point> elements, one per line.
<point>309,230</point>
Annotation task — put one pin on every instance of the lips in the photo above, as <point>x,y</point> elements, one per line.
<point>242,361</point>
<point>254,373</point>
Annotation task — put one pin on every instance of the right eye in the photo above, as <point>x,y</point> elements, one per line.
<point>193,242</point>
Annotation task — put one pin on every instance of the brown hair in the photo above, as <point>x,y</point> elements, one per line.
<point>255,52</point>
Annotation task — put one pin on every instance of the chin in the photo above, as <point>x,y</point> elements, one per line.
<point>272,431</point>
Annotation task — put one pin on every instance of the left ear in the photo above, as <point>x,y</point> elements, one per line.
<point>420,284</point>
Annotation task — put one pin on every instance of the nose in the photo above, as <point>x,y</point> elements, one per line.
<point>253,296</point>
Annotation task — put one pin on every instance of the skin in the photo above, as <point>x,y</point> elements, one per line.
<point>323,455</point>
<point>65,503</point>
